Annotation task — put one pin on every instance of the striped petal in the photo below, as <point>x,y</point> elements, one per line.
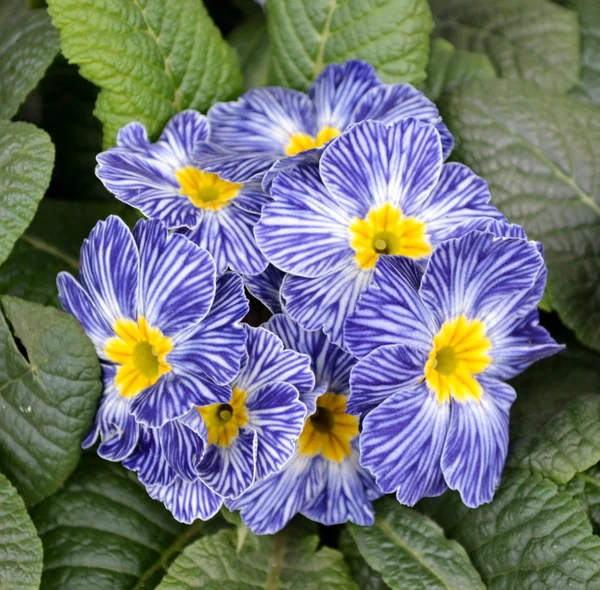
<point>183,133</point>
<point>177,279</point>
<point>402,443</point>
<point>270,504</point>
<point>182,449</point>
<point>268,362</point>
<point>382,373</point>
<point>251,198</point>
<point>372,164</point>
<point>277,415</point>
<point>186,501</point>
<point>303,231</point>
<point>149,462</point>
<point>390,311</point>
<point>266,287</point>
<point>477,442</point>
<point>338,89</point>
<point>389,103</point>
<point>325,302</point>
<point>109,269</point>
<point>229,471</point>
<point>306,157</point>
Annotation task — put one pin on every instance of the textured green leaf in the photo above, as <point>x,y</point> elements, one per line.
<point>28,44</point>
<point>20,546</point>
<point>102,530</point>
<point>554,422</point>
<point>362,573</point>
<point>26,158</point>
<point>530,536</point>
<point>449,68</point>
<point>251,43</point>
<point>48,399</point>
<point>151,58</point>
<point>410,551</point>
<point>585,488</point>
<point>541,157</point>
<point>286,560</point>
<point>306,35</point>
<point>533,40</point>
<point>588,87</point>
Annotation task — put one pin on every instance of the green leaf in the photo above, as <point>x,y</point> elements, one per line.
<point>286,560</point>
<point>533,40</point>
<point>588,87</point>
<point>449,68</point>
<point>26,158</point>
<point>28,44</point>
<point>585,488</point>
<point>306,35</point>
<point>554,422</point>
<point>151,59</point>
<point>102,530</point>
<point>362,573</point>
<point>20,546</point>
<point>530,536</point>
<point>541,156</point>
<point>251,43</point>
<point>409,550</point>
<point>48,399</point>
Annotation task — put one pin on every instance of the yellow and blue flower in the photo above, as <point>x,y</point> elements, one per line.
<point>378,190</point>
<point>269,129</point>
<point>166,330</point>
<point>323,480</point>
<point>164,182</point>
<point>434,349</point>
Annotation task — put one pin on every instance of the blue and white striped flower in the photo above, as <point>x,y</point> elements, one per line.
<point>377,191</point>
<point>323,480</point>
<point>164,182</point>
<point>165,329</point>
<point>434,349</point>
<point>269,129</point>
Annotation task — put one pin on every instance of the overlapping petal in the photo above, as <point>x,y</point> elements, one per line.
<point>148,461</point>
<point>182,449</point>
<point>266,287</point>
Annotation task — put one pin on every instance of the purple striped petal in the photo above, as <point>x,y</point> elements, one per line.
<point>266,287</point>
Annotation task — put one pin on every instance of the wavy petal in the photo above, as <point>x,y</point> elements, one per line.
<point>251,198</point>
<point>183,133</point>
<point>266,287</point>
<point>149,461</point>
<point>182,449</point>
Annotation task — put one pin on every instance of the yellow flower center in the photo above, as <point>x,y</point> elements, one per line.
<point>329,430</point>
<point>141,352</point>
<point>460,351</point>
<point>386,231</point>
<point>300,142</point>
<point>223,421</point>
<point>204,189</point>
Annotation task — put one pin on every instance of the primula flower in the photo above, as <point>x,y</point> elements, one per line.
<point>218,451</point>
<point>268,126</point>
<point>433,349</point>
<point>163,181</point>
<point>377,191</point>
<point>323,480</point>
<point>147,301</point>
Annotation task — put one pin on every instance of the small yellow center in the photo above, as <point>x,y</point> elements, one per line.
<point>460,351</point>
<point>204,189</point>
<point>300,142</point>
<point>329,430</point>
<point>386,231</point>
<point>223,421</point>
<point>141,352</point>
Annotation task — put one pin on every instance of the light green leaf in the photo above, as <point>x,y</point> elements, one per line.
<point>26,158</point>
<point>102,530</point>
<point>28,44</point>
<point>362,573</point>
<point>585,488</point>
<point>286,560</point>
<point>251,43</point>
<point>541,158</point>
<point>588,87</point>
<point>151,59</point>
<point>410,551</point>
<point>48,399</point>
<point>533,40</point>
<point>530,536</point>
<point>554,422</point>
<point>306,35</point>
<point>20,546</point>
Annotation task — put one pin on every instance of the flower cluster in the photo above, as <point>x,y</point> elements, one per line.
<point>402,301</point>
